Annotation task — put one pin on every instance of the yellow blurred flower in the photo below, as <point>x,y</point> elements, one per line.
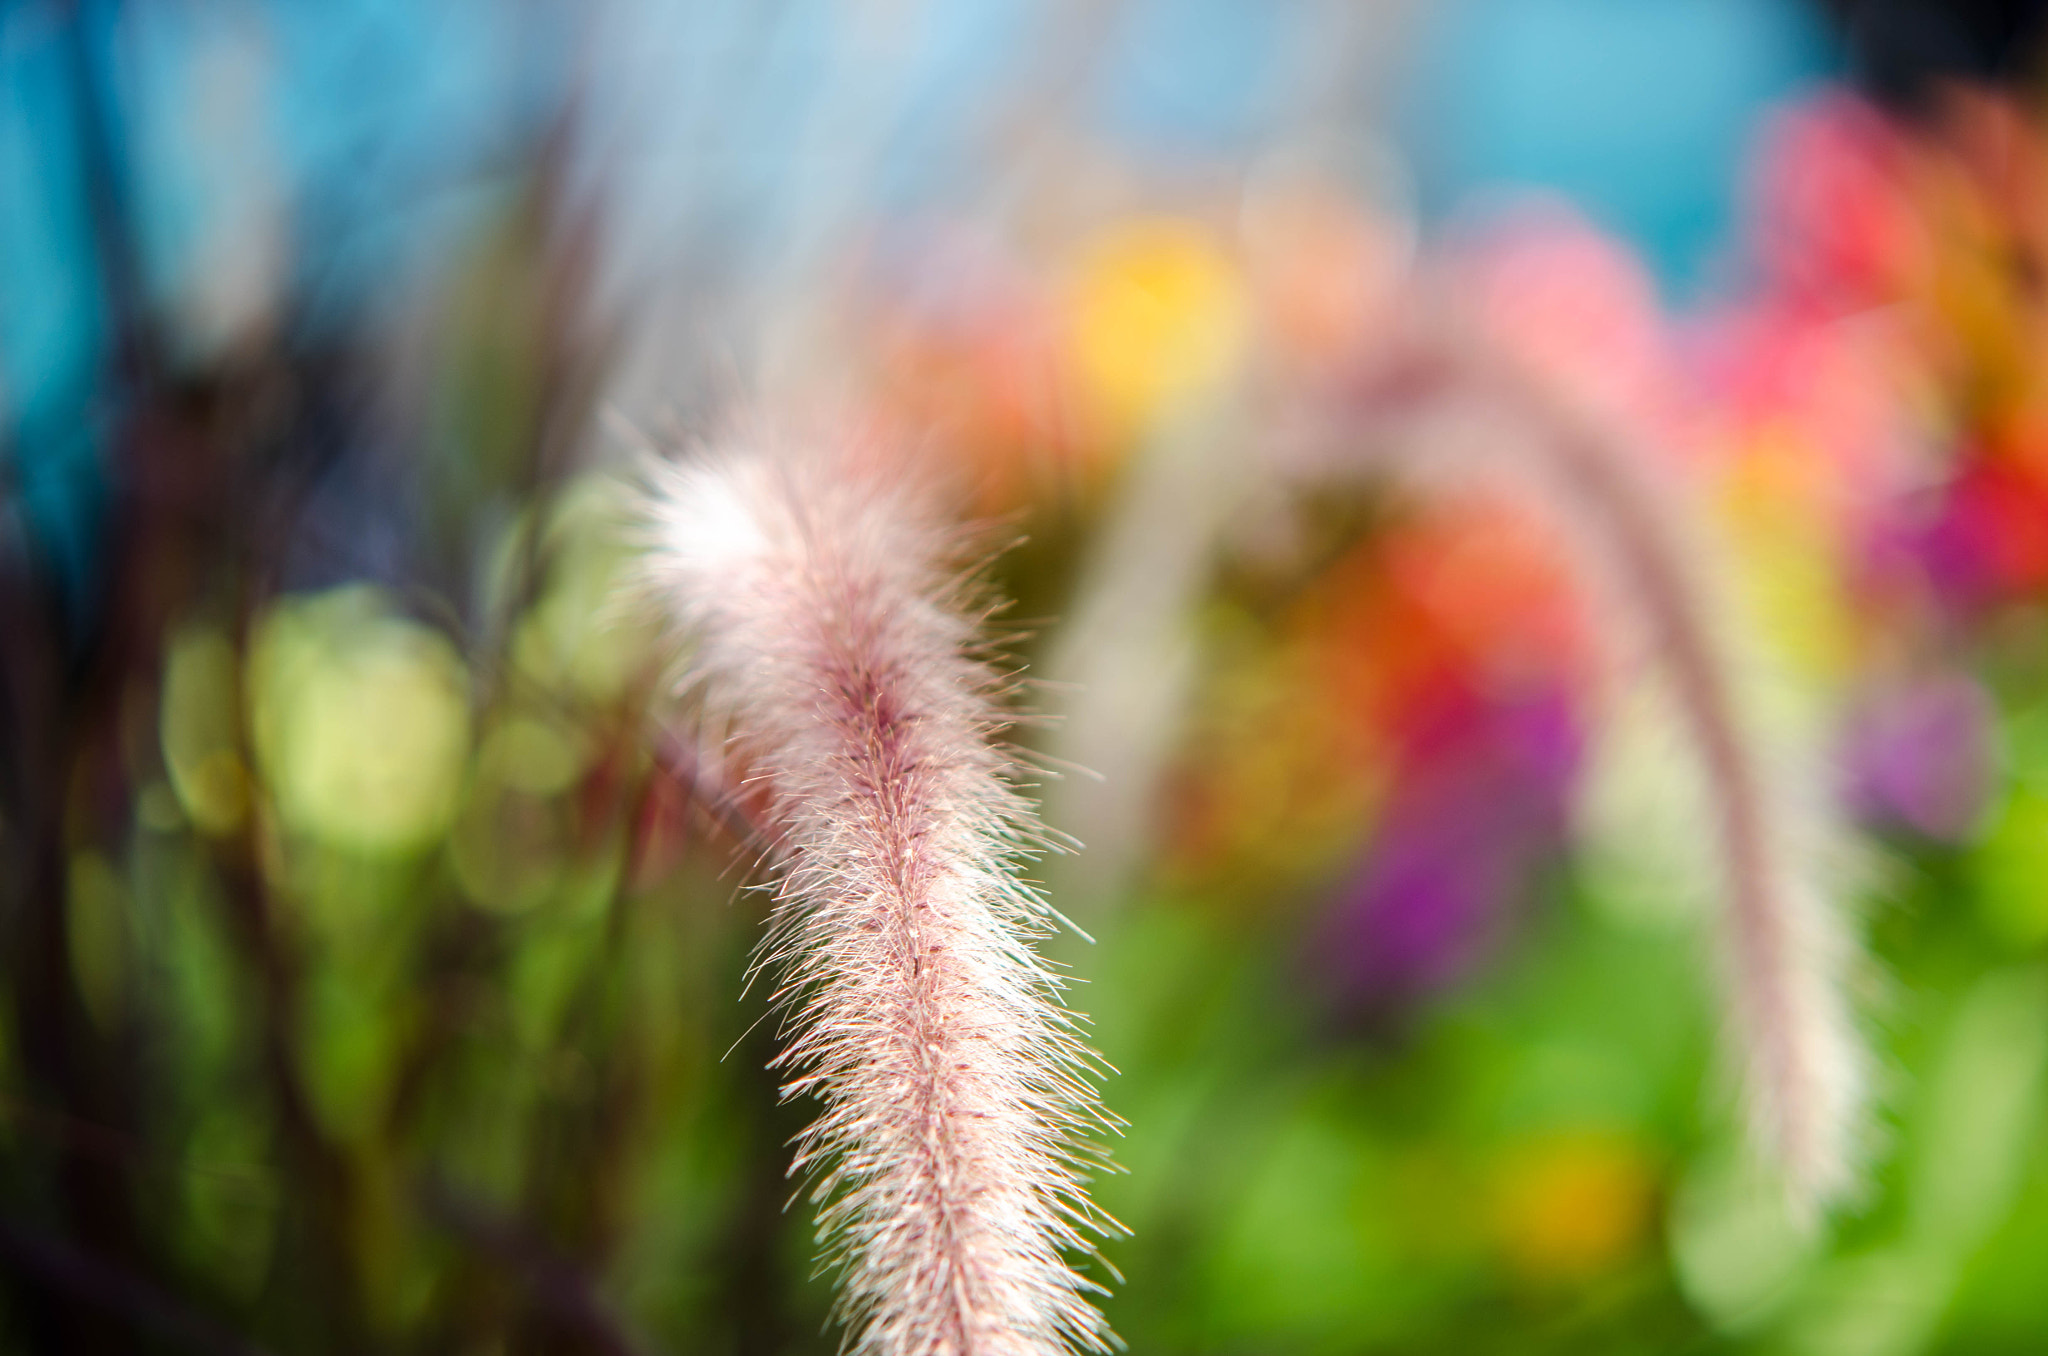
<point>1572,1206</point>
<point>1788,556</point>
<point>1158,317</point>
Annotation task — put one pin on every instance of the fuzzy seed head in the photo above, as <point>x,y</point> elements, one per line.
<point>835,643</point>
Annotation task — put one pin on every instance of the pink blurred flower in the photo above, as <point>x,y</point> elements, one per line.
<point>1834,224</point>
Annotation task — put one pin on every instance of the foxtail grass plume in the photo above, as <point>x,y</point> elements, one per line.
<point>1787,950</point>
<point>837,646</point>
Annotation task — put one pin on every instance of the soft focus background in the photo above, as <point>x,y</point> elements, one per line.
<point>371,969</point>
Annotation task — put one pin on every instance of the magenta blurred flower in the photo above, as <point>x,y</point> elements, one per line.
<point>1986,543</point>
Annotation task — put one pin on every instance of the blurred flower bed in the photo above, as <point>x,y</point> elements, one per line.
<point>375,964</point>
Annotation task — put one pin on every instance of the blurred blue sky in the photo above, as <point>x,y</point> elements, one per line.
<point>1642,111</point>
<point>377,128</point>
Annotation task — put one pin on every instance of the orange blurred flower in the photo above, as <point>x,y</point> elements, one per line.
<point>1571,1206</point>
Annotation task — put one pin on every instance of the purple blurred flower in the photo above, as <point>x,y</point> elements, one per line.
<point>1921,754</point>
<point>1478,804</point>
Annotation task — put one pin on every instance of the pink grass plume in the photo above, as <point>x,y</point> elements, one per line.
<point>837,646</point>
<point>1788,954</point>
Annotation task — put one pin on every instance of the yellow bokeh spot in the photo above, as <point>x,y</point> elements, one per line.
<point>577,637</point>
<point>1158,316</point>
<point>509,843</point>
<point>531,755</point>
<point>361,721</point>
<point>200,738</point>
